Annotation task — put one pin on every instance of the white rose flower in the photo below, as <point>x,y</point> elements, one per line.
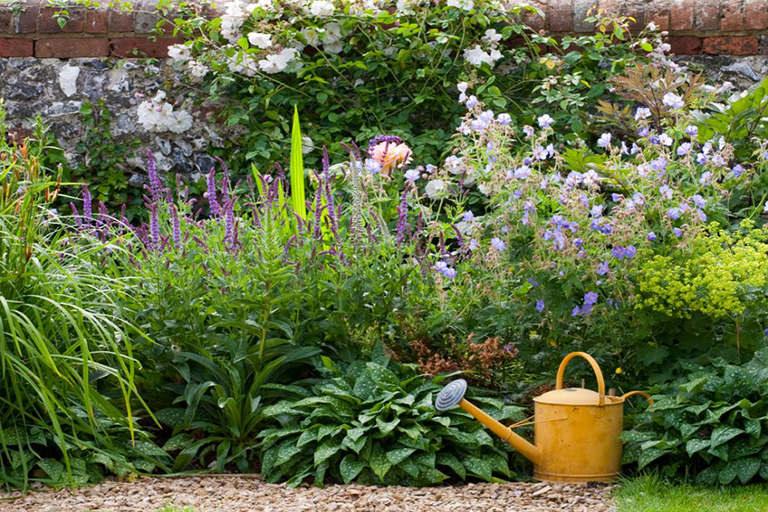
<point>491,36</point>
<point>157,115</point>
<point>465,5</point>
<point>197,70</point>
<point>321,8</point>
<point>179,52</point>
<point>435,188</point>
<point>307,145</point>
<point>260,39</point>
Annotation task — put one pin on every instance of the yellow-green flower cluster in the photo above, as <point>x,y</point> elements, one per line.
<point>712,279</point>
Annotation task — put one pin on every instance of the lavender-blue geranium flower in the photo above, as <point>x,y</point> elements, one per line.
<point>540,305</point>
<point>498,244</point>
<point>545,121</point>
<point>651,236</point>
<point>603,268</point>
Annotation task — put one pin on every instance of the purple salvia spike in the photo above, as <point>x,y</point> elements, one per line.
<point>215,208</point>
<point>459,237</point>
<point>154,227</point>
<point>223,164</point>
<point>442,243</point>
<point>76,214</point>
<point>318,208</point>
<point>87,206</point>
<point>402,217</point>
<point>155,185</point>
<point>176,227</point>
<point>225,190</point>
<point>229,229</point>
<point>168,197</point>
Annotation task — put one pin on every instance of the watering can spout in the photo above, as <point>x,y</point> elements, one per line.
<point>453,395</point>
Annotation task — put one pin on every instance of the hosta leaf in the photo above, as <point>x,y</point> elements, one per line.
<point>350,467</point>
<point>724,434</point>
<point>398,455</point>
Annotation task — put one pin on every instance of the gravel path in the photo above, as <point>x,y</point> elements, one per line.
<point>243,494</point>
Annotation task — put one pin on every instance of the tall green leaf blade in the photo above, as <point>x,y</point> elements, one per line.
<point>297,169</point>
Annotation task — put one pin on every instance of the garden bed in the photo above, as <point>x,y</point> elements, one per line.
<point>237,493</point>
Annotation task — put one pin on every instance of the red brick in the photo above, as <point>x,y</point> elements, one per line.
<point>685,45</point>
<point>6,18</point>
<point>534,20</point>
<point>27,22</point>
<point>756,14</point>
<point>71,47</point>
<point>611,8</point>
<point>141,47</point>
<point>97,21</point>
<point>121,21</point>
<point>707,15</point>
<point>731,16</point>
<point>658,13</point>
<point>681,14</point>
<point>560,16</point>
<point>16,47</point>
<point>727,45</point>
<point>637,13</point>
<point>47,24</point>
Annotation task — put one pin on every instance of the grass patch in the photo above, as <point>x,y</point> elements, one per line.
<point>653,494</point>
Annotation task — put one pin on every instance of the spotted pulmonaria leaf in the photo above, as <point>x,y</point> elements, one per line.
<point>724,434</point>
<point>350,467</point>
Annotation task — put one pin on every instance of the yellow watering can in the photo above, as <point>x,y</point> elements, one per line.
<point>576,430</point>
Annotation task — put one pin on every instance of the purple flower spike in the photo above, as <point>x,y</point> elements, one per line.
<point>154,228</point>
<point>155,185</point>
<point>176,227</point>
<point>215,208</point>
<point>87,206</point>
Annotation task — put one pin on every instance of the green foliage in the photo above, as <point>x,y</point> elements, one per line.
<point>67,388</point>
<point>297,170</point>
<point>225,322</point>
<point>362,72</point>
<point>375,422</point>
<point>710,424</point>
<point>739,121</point>
<point>102,157</point>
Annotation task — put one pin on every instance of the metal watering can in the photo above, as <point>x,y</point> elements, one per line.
<point>576,430</point>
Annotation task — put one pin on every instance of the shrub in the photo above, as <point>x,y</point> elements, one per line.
<point>360,69</point>
<point>375,422</point>
<point>710,424</point>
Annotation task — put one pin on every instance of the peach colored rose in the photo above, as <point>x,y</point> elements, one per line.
<point>391,156</point>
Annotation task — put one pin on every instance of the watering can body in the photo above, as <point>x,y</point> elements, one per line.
<point>576,430</point>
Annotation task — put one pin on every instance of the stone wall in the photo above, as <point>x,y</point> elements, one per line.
<point>110,56</point>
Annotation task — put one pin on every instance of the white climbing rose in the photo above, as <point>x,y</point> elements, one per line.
<point>260,40</point>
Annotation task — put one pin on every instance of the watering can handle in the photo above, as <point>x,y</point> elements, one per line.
<point>595,368</point>
<point>643,393</point>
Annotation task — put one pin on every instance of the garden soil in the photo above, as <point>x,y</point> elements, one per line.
<point>243,494</point>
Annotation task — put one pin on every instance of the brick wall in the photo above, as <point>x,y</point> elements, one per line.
<point>28,29</point>
<point>715,27</point>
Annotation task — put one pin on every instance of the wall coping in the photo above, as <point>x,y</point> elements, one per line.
<point>715,27</point>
